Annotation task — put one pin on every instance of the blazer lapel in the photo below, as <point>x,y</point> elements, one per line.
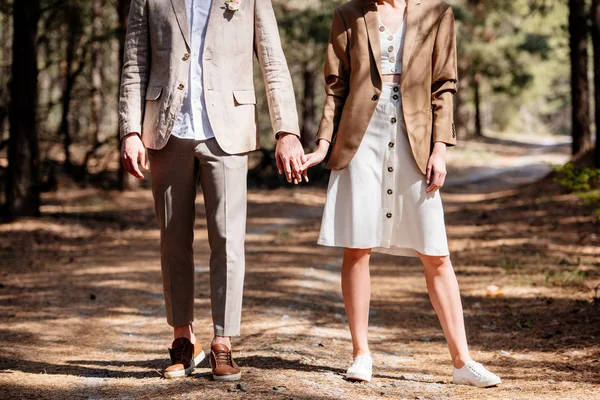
<point>182,19</point>
<point>372,22</point>
<point>413,20</point>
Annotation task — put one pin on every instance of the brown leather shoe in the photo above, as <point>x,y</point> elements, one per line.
<point>223,366</point>
<point>185,356</point>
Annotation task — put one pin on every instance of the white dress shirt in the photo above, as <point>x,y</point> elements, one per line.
<point>192,122</point>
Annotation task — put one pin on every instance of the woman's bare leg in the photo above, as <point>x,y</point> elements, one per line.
<point>356,289</point>
<point>445,297</point>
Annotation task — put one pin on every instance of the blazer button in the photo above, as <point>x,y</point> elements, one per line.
<point>396,89</point>
<point>393,120</point>
<point>390,169</point>
<point>186,57</point>
<point>391,144</point>
<point>395,97</point>
<point>375,97</point>
<point>389,215</point>
<point>180,87</point>
<point>389,191</point>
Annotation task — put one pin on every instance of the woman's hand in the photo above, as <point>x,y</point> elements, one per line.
<point>312,159</point>
<point>436,167</point>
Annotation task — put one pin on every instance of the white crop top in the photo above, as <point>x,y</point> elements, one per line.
<point>392,45</point>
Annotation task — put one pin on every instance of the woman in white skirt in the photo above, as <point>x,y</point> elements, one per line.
<point>390,75</point>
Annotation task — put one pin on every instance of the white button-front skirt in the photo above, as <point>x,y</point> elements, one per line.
<point>379,201</point>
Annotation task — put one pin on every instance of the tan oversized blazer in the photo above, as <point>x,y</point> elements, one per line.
<point>353,78</point>
<point>156,69</point>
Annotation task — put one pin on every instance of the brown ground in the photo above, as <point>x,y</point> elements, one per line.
<point>82,312</point>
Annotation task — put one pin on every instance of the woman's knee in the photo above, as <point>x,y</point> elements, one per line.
<point>437,263</point>
<point>353,256</point>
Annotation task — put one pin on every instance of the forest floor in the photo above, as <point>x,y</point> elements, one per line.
<point>82,315</point>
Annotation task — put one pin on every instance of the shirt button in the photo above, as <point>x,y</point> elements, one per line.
<point>375,97</point>
<point>180,87</point>
<point>389,191</point>
<point>186,57</point>
<point>391,48</point>
<point>389,215</point>
<point>393,120</point>
<point>391,144</point>
<point>395,97</point>
<point>390,38</point>
<point>381,29</point>
<point>396,89</point>
<point>391,169</point>
<point>392,59</point>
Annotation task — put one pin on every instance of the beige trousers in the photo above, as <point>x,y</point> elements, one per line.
<point>176,171</point>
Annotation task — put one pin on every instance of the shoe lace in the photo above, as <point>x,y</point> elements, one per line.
<point>478,369</point>
<point>362,362</point>
<point>176,354</point>
<point>223,357</point>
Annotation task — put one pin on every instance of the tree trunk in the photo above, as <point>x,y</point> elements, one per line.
<point>477,96</point>
<point>580,92</point>
<point>96,92</point>
<point>74,29</point>
<point>596,42</point>
<point>461,114</point>
<point>22,188</point>
<point>124,180</point>
<point>308,107</point>
<point>4,78</point>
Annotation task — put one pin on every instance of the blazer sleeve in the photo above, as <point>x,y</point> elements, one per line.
<point>275,71</point>
<point>136,67</point>
<point>337,78</point>
<point>444,78</point>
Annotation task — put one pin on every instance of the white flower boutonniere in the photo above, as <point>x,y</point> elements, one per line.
<point>233,5</point>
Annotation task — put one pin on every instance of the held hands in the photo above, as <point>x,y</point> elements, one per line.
<point>312,159</point>
<point>132,152</point>
<point>288,155</point>
<point>436,167</point>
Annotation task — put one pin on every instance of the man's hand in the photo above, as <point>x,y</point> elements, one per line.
<point>314,158</point>
<point>132,151</point>
<point>288,155</point>
<point>436,167</point>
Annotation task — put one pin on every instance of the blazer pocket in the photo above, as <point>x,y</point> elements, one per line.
<point>153,92</point>
<point>244,97</point>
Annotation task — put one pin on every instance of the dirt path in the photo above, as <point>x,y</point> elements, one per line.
<point>82,311</point>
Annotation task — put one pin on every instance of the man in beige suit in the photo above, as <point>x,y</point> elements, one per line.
<point>187,97</point>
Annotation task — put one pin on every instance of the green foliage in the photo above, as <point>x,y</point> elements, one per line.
<point>583,181</point>
<point>519,52</point>
<point>577,179</point>
<point>565,277</point>
<point>510,265</point>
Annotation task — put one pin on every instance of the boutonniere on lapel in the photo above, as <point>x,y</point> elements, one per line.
<point>233,5</point>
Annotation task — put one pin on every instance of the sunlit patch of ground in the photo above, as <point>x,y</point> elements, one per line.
<point>82,316</point>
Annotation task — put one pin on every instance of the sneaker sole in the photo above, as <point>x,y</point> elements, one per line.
<point>477,384</point>
<point>358,377</point>
<point>234,377</point>
<point>188,370</point>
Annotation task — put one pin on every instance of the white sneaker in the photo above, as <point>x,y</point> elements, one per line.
<point>474,374</point>
<point>361,369</point>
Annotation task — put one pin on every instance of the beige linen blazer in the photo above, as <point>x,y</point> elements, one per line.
<point>353,80</point>
<point>156,69</point>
